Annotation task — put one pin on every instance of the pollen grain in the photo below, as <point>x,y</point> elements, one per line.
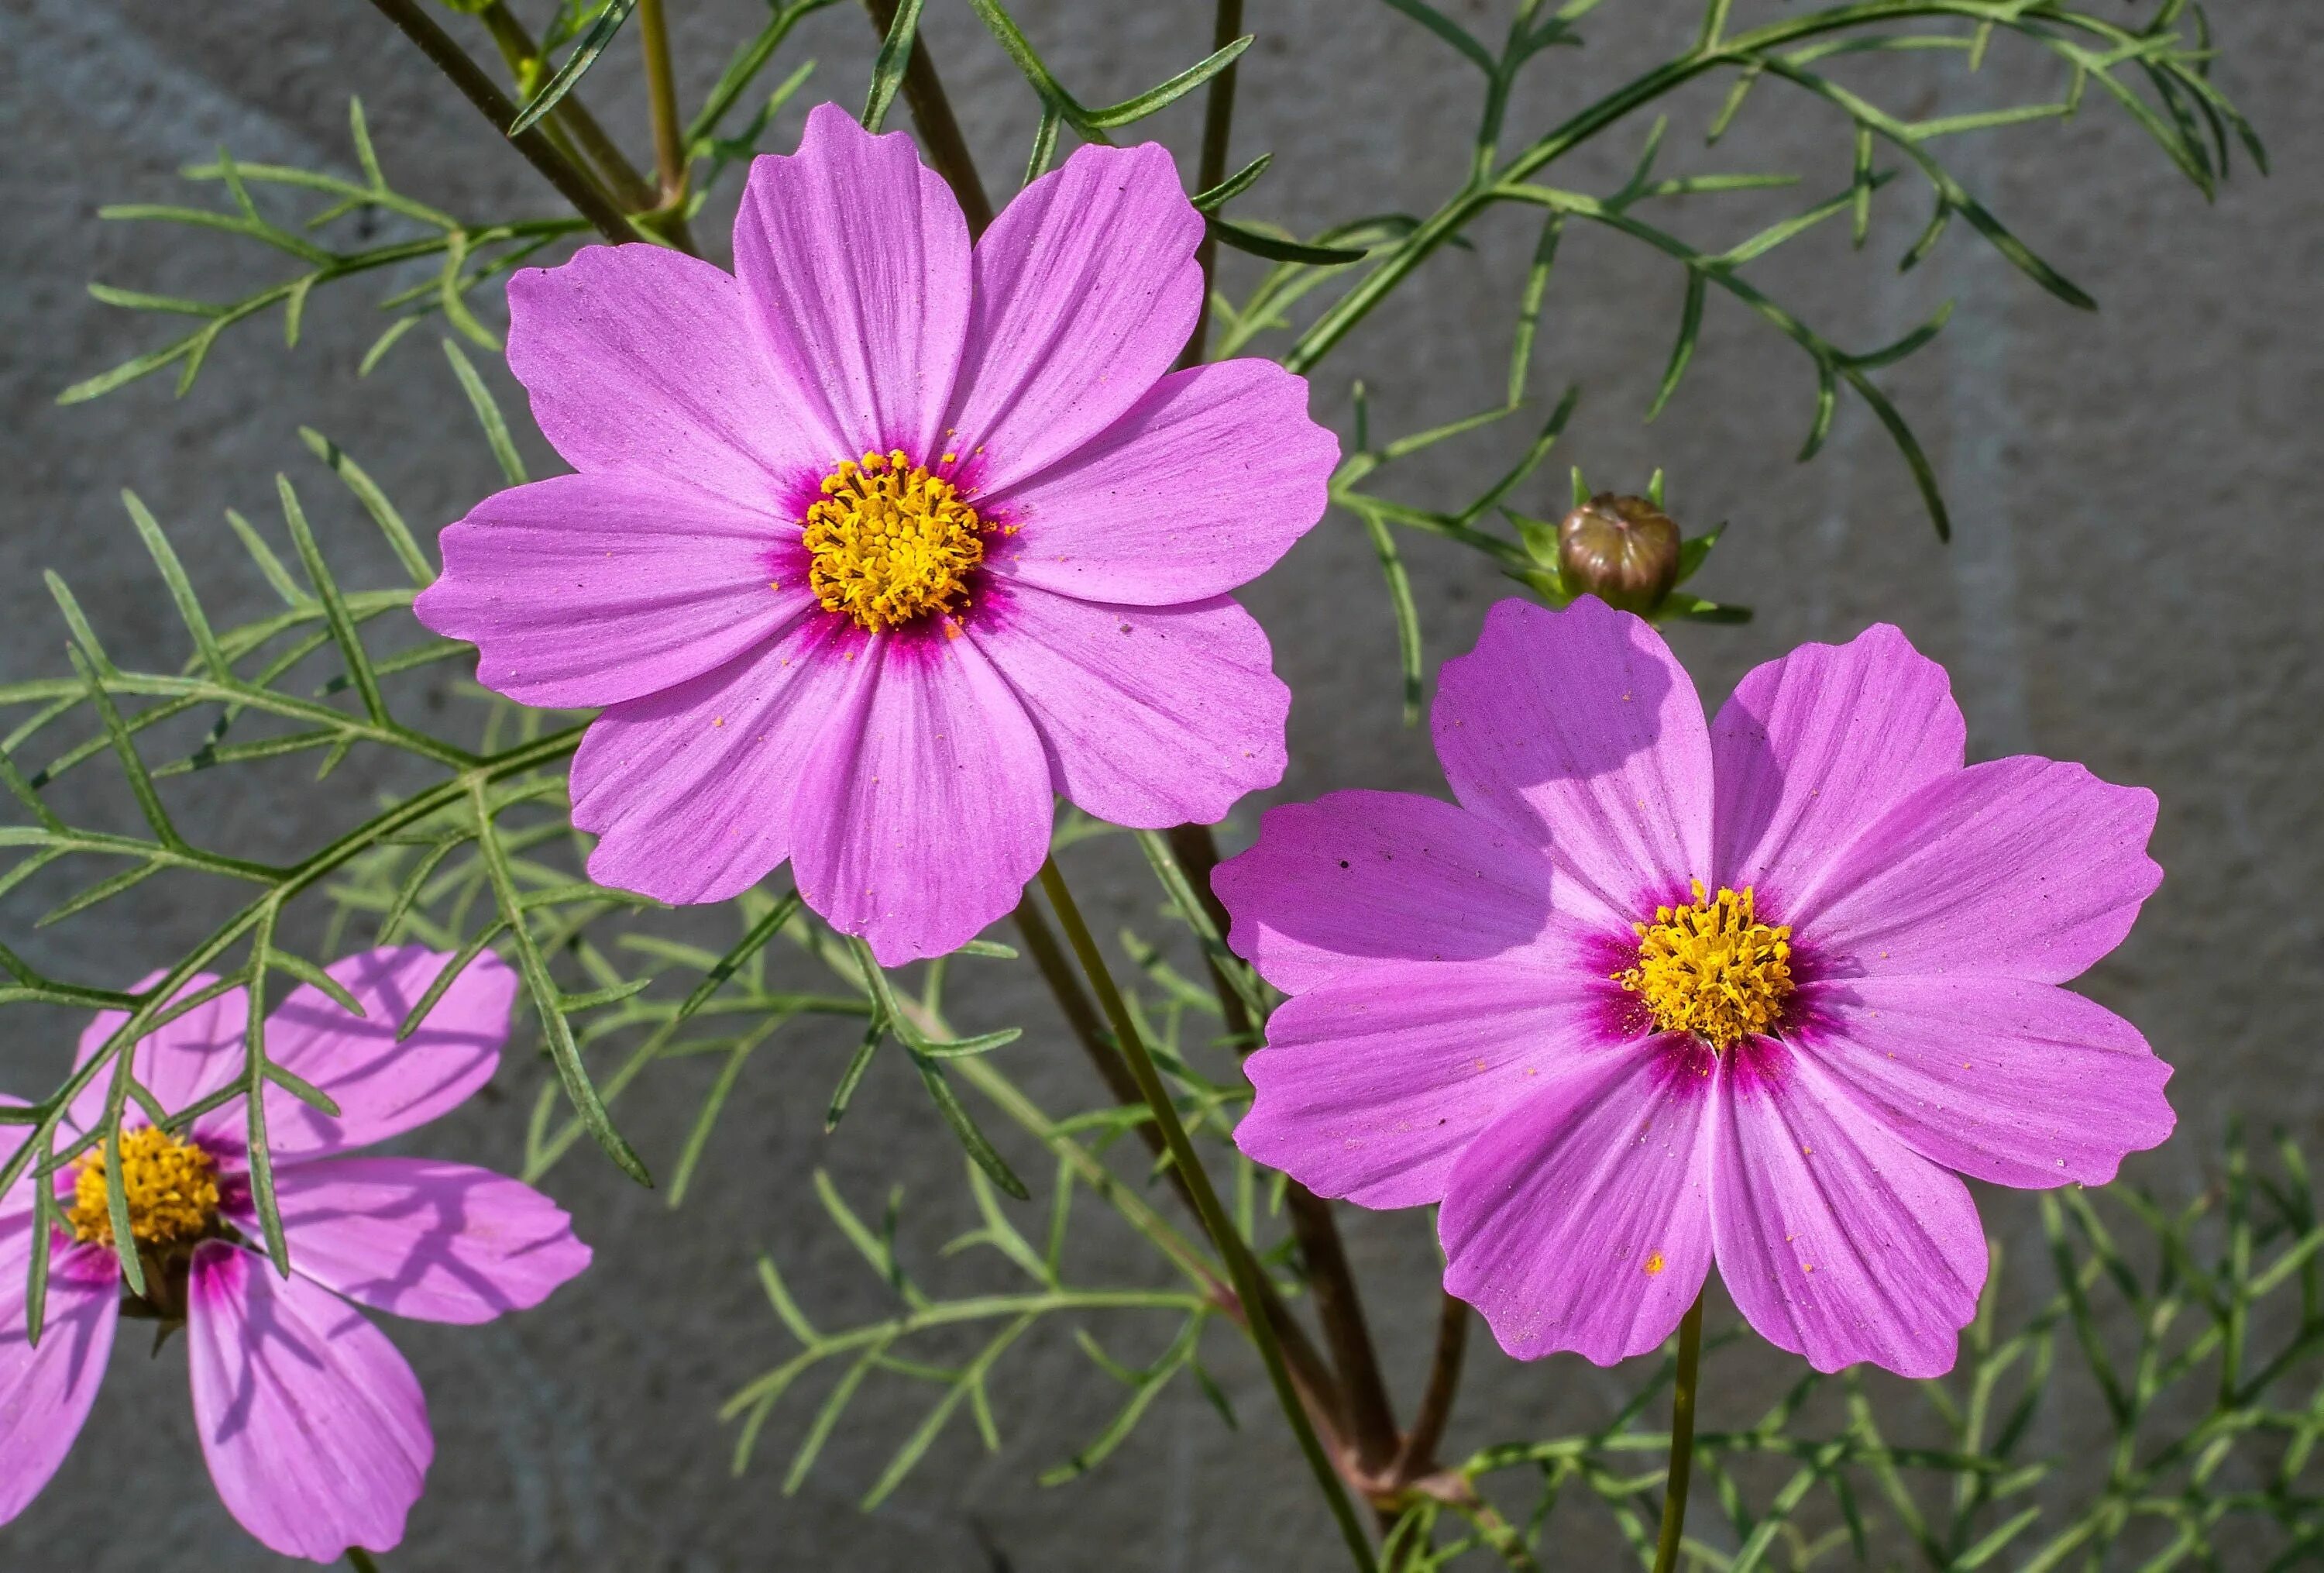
<point>1711,968</point>
<point>170,1185</point>
<point>891,542</point>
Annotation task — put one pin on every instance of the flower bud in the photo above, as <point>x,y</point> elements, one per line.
<point>1624,551</point>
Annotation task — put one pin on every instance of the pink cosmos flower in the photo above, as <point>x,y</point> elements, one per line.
<point>880,540</point>
<point>313,1426</point>
<point>1653,992</point>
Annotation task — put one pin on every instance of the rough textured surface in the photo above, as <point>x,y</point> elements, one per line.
<point>2133,584</point>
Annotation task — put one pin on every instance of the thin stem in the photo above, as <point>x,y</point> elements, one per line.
<point>1418,1455</point>
<point>361,1560</point>
<point>481,90</point>
<point>1218,125</point>
<point>1319,1390</point>
<point>1197,852</point>
<point>522,52</point>
<point>670,164</point>
<point>1370,1420</point>
<point>1484,188</point>
<point>1682,1450</point>
<point>940,136</point>
<point>1232,1248</point>
<point>661,103</point>
<point>1339,1305</point>
<point>1081,1016</point>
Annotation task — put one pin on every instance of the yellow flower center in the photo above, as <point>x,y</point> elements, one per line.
<point>1711,968</point>
<point>891,542</point>
<point>171,1186</point>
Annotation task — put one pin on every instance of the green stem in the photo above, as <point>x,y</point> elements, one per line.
<point>522,53</point>
<point>1417,1456</point>
<point>481,90</point>
<point>1241,1267</point>
<point>670,138</point>
<point>1218,126</point>
<point>940,136</point>
<point>1682,1449</point>
<point>1365,1413</point>
<point>1483,189</point>
<point>361,1560</point>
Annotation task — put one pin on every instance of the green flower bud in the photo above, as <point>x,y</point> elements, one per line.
<point>1624,551</point>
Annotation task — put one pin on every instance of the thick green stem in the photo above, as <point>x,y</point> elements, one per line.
<point>576,188</point>
<point>669,137</point>
<point>1218,127</point>
<point>1249,1282</point>
<point>1368,1416</point>
<point>661,102</point>
<point>940,136</point>
<point>522,52</point>
<point>1682,1450</point>
<point>1418,1455</point>
<point>1319,1392</point>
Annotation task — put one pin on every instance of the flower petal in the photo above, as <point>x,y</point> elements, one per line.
<point>436,1241</point>
<point>1086,289</point>
<point>2023,867</point>
<point>1580,1219</point>
<point>1372,1084</point>
<point>1152,716</point>
<point>854,264</point>
<point>925,808</point>
<point>1355,878</point>
<point>1579,731</point>
<point>591,590</point>
<point>643,359</point>
<point>382,1087</point>
<point>2019,1083</point>
<point>313,1426</point>
<point>183,1062</point>
<point>46,1388</point>
<point>1813,745</point>
<point>1202,485</point>
<point>1838,1242</point>
<point>690,792</point>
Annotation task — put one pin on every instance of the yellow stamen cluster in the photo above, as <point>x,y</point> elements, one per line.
<point>171,1186</point>
<point>891,542</point>
<point>1711,968</point>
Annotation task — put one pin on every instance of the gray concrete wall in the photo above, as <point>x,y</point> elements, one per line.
<point>2135,584</point>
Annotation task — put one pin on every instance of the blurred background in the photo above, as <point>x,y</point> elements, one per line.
<point>2135,582</point>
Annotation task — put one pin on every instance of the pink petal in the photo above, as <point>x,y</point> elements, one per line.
<point>591,590</point>
<point>1152,716</point>
<point>1579,731</point>
<point>925,808</point>
<point>690,791</point>
<point>855,264</point>
<point>1203,486</point>
<point>382,1087</point>
<point>1838,1241</point>
<point>2019,1083</point>
<point>423,1239</point>
<point>184,1061</point>
<point>313,1426</point>
<point>45,1389</point>
<point>1580,1219</point>
<point>643,359</point>
<point>2024,867</point>
<point>1372,1084</point>
<point>1813,745</point>
<point>1335,886</point>
<point>1086,288</point>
